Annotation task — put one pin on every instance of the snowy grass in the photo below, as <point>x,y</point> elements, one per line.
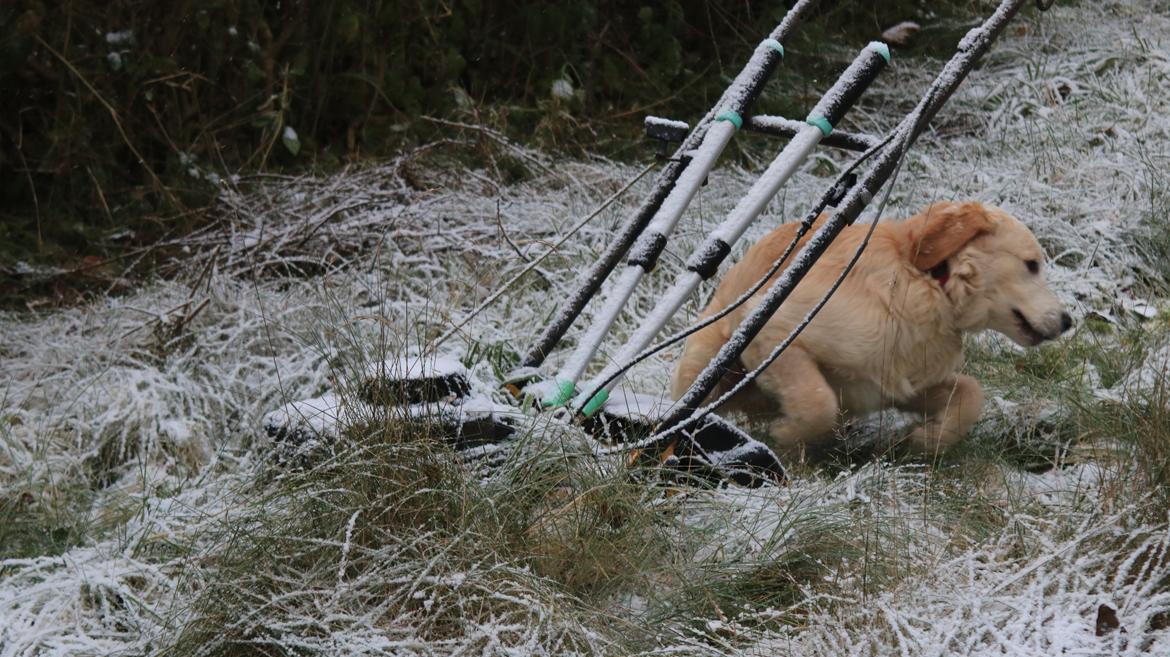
<point>140,511</point>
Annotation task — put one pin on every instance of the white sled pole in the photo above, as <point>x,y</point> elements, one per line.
<point>705,261</point>
<point>736,101</point>
<point>644,254</point>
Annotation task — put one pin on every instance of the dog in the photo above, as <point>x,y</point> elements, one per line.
<point>892,334</point>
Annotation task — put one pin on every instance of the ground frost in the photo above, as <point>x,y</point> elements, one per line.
<point>137,419</point>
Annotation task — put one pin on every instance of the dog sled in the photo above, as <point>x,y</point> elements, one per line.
<point>685,438</point>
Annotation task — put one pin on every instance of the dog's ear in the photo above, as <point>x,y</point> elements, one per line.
<point>941,230</point>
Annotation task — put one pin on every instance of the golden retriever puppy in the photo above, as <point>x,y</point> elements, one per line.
<point>892,335</point>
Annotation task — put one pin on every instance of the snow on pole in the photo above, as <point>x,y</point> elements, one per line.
<point>971,48</point>
<point>705,261</point>
<point>739,97</point>
<point>667,124</point>
<point>778,126</point>
<point>643,256</point>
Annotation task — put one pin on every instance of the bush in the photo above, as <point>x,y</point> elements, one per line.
<point>122,109</point>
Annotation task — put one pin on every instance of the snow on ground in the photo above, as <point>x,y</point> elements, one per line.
<point>128,427</point>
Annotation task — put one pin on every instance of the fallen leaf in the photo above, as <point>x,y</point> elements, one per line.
<point>1107,620</point>
<point>901,34</point>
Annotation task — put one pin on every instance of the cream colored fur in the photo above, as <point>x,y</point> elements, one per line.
<point>891,336</point>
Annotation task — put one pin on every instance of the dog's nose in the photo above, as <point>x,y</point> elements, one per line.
<point>1065,322</point>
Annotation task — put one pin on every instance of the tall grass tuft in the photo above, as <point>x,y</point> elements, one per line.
<point>392,534</point>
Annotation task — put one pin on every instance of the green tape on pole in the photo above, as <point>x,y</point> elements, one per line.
<point>732,116</point>
<point>560,395</point>
<point>774,45</point>
<point>595,403</point>
<point>820,122</point>
<point>880,48</point>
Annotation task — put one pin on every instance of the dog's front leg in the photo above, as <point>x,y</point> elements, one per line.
<point>948,409</point>
<point>809,405</point>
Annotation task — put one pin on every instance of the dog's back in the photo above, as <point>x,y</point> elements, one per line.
<point>703,345</point>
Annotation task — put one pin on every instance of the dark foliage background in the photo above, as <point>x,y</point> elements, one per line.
<point>129,113</point>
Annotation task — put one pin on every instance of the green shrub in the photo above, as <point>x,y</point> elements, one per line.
<point>125,113</point>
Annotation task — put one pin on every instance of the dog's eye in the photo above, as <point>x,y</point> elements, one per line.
<point>1033,266</point>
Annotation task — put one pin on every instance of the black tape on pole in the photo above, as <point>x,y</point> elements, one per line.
<point>706,261</point>
<point>646,251</point>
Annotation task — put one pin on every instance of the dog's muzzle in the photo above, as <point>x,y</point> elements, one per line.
<point>1036,336</point>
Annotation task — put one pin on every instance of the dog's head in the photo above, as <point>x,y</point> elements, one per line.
<point>991,268</point>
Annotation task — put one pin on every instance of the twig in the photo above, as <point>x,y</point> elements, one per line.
<point>328,215</point>
<point>101,195</point>
<point>508,239</point>
<point>661,101</point>
<point>161,318</point>
<point>206,271</point>
<point>163,129</point>
<point>279,122</point>
<point>495,135</point>
<point>189,75</point>
<point>31,186</point>
<point>117,123</point>
<point>532,265</point>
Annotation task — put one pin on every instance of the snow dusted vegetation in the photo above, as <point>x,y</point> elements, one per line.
<point>142,511</point>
